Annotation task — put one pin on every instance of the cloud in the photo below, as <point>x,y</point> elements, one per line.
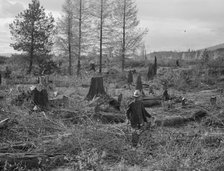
<point>176,34</point>
<point>167,21</point>
<point>207,12</point>
<point>52,5</point>
<point>9,9</point>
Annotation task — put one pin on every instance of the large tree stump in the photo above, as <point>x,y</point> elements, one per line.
<point>40,98</point>
<point>96,88</point>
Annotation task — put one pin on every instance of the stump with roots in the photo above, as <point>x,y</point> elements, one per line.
<point>96,88</point>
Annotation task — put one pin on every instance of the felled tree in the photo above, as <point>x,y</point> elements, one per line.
<point>96,88</point>
<point>32,32</point>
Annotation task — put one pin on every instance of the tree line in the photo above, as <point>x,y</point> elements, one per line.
<point>85,28</point>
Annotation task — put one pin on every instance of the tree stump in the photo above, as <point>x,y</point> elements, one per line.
<point>40,98</point>
<point>96,88</point>
<point>155,66</point>
<point>166,96</point>
<point>177,63</point>
<point>130,78</point>
<point>138,83</point>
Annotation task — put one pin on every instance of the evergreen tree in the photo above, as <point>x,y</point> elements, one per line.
<point>155,66</point>
<point>32,32</point>
<point>204,58</point>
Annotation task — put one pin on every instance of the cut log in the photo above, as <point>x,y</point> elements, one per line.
<point>108,118</point>
<point>96,88</point>
<point>151,103</point>
<point>130,78</point>
<point>21,147</point>
<point>176,121</point>
<point>11,161</point>
<point>138,83</point>
<point>152,98</point>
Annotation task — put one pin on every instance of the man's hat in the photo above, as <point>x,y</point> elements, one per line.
<point>137,93</point>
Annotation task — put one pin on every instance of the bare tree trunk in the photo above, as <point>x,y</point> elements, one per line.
<point>80,37</point>
<point>123,45</point>
<point>69,47</point>
<point>101,35</point>
<point>31,49</point>
<point>31,61</point>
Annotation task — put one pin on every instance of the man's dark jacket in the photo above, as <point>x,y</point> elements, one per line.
<point>137,114</point>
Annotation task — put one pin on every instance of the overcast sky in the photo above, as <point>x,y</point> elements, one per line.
<point>173,24</point>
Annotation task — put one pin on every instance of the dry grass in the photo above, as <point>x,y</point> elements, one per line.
<point>90,145</point>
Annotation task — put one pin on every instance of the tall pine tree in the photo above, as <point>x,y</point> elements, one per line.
<point>32,32</point>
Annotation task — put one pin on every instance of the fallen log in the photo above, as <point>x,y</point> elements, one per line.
<point>27,161</point>
<point>152,98</point>
<point>107,118</point>
<point>11,161</point>
<point>178,121</point>
<point>21,147</point>
<point>151,103</point>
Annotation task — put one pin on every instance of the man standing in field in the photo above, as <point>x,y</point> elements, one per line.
<point>136,114</point>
